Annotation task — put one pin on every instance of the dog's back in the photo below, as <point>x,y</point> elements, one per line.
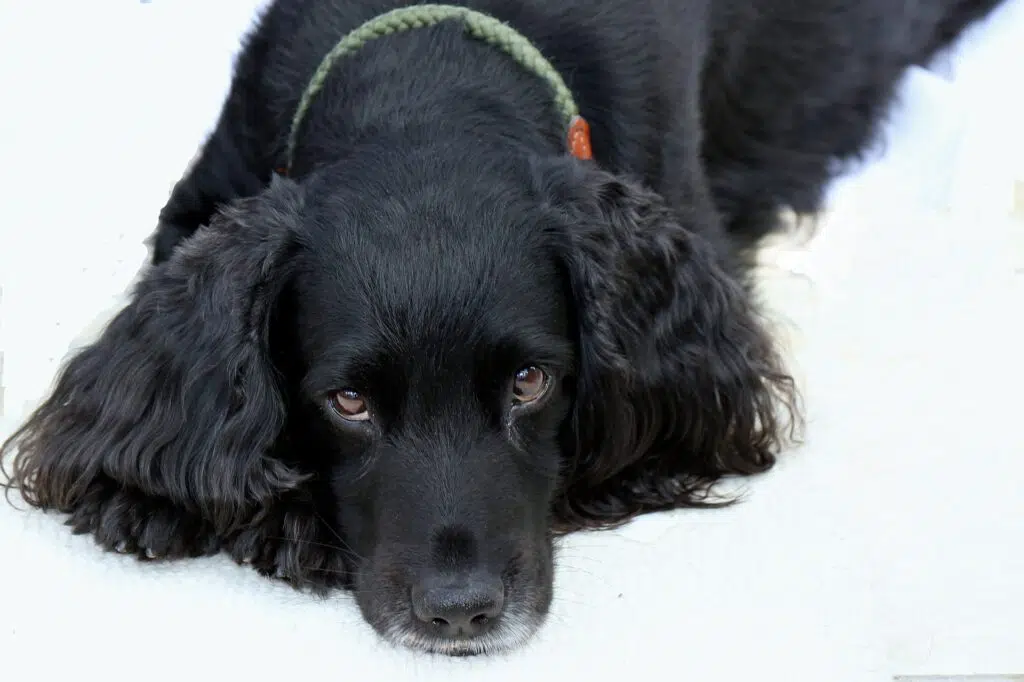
<point>775,94</point>
<point>793,89</point>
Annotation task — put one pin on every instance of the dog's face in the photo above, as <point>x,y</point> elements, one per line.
<point>434,339</point>
<point>403,374</point>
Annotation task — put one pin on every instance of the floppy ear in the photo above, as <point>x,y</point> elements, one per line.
<point>679,383</point>
<point>177,399</point>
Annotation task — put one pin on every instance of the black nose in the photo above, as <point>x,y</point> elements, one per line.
<point>459,606</point>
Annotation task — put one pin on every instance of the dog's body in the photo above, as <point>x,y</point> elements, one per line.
<point>442,338</point>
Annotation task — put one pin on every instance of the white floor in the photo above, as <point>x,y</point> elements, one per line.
<point>891,544</point>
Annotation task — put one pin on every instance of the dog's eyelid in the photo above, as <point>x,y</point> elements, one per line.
<point>551,351</point>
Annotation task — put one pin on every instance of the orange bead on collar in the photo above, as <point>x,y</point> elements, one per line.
<point>579,139</point>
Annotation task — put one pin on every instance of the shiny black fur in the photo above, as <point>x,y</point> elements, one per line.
<point>434,238</point>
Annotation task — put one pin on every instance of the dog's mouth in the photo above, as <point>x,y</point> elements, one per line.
<point>466,614</point>
<point>512,631</point>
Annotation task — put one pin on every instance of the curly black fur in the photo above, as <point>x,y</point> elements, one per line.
<point>433,239</point>
<point>662,371</point>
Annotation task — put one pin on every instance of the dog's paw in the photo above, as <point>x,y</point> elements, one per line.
<point>128,522</point>
<point>293,544</point>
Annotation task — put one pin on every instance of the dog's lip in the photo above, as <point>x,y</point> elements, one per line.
<point>511,632</point>
<point>458,647</point>
<point>462,647</point>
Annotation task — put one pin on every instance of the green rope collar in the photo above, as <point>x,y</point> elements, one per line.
<point>479,26</point>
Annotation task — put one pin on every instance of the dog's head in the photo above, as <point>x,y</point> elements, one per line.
<point>454,359</point>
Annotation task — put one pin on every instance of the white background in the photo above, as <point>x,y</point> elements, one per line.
<point>891,543</point>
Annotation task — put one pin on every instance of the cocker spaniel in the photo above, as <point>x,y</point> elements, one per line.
<point>406,322</point>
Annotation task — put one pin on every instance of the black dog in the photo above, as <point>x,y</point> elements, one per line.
<point>442,339</point>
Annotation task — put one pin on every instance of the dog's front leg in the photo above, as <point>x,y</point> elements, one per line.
<point>294,543</point>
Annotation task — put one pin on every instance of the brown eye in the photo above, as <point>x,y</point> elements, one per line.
<point>349,405</point>
<point>530,384</point>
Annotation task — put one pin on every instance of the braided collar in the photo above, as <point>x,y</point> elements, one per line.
<point>479,26</point>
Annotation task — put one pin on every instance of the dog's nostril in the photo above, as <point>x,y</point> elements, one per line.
<point>458,606</point>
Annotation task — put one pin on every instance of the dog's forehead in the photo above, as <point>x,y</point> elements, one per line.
<point>436,284</point>
<point>414,277</point>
